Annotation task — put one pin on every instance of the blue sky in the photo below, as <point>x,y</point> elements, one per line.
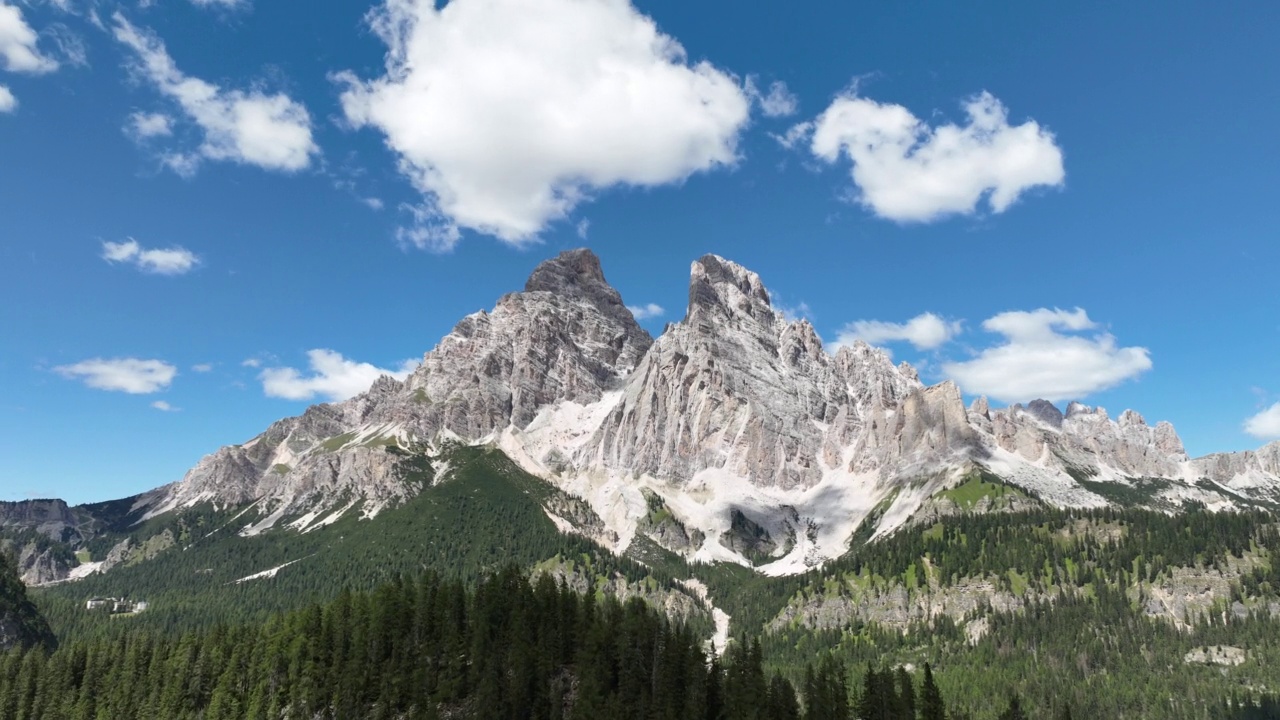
<point>214,212</point>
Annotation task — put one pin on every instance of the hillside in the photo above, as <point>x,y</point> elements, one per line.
<point>21,624</point>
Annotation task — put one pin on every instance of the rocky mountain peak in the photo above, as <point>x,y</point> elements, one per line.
<point>572,272</point>
<point>1045,412</point>
<point>981,407</point>
<point>1131,418</point>
<point>1080,410</point>
<point>720,288</point>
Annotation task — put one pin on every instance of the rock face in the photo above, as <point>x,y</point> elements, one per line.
<point>1249,469</point>
<point>734,386</point>
<point>1084,436</point>
<point>567,338</point>
<point>21,625</point>
<point>51,518</point>
<point>734,436</point>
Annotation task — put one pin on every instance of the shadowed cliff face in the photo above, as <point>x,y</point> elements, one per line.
<point>47,517</point>
<point>21,625</point>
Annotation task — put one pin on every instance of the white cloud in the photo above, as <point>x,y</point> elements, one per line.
<point>251,363</point>
<point>644,312</point>
<point>584,226</point>
<point>1045,355</point>
<point>143,125</point>
<point>506,114</point>
<point>18,44</point>
<point>130,375</point>
<point>220,3</point>
<point>907,171</point>
<point>1266,424</point>
<point>778,102</point>
<point>163,406</point>
<point>794,136</point>
<point>8,103</point>
<point>203,367</point>
<point>71,47</point>
<point>792,313</point>
<point>332,376</point>
<point>925,331</point>
<point>251,127</point>
<point>169,261</point>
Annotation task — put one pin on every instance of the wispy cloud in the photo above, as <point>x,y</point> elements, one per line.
<point>332,376</point>
<point>776,102</point>
<point>163,406</point>
<point>1050,354</point>
<point>130,375</point>
<point>925,331</point>
<point>252,127</point>
<point>1266,424</point>
<point>144,126</point>
<point>644,312</point>
<point>167,261</point>
<point>18,44</point>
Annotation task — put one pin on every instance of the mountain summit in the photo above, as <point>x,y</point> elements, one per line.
<point>734,436</point>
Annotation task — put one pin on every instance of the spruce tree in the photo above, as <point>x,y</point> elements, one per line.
<point>906,695</point>
<point>1014,710</point>
<point>931,705</point>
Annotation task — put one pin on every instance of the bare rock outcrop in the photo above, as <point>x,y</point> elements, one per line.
<point>735,386</point>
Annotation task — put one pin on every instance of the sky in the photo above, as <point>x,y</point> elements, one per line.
<point>216,212</point>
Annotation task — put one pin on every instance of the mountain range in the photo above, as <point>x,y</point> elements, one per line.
<point>734,436</point>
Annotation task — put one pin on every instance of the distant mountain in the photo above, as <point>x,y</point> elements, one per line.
<point>735,436</point>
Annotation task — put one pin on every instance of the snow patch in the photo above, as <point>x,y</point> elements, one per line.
<point>264,524</point>
<point>265,574</point>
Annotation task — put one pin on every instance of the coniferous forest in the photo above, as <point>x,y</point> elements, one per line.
<point>431,648</point>
<point>416,614</point>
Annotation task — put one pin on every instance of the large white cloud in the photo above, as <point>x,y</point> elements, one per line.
<point>925,331</point>
<point>332,377</point>
<point>907,171</point>
<point>252,127</point>
<point>130,375</point>
<point>505,114</point>
<point>18,43</point>
<point>1266,424</point>
<point>1051,354</point>
<point>159,261</point>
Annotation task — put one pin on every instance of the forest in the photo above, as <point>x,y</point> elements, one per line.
<point>1039,613</point>
<point>511,647</point>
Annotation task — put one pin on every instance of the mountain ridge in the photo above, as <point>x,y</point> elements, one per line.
<point>754,443</point>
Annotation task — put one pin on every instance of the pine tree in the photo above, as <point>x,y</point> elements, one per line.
<point>1014,710</point>
<point>906,695</point>
<point>931,705</point>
